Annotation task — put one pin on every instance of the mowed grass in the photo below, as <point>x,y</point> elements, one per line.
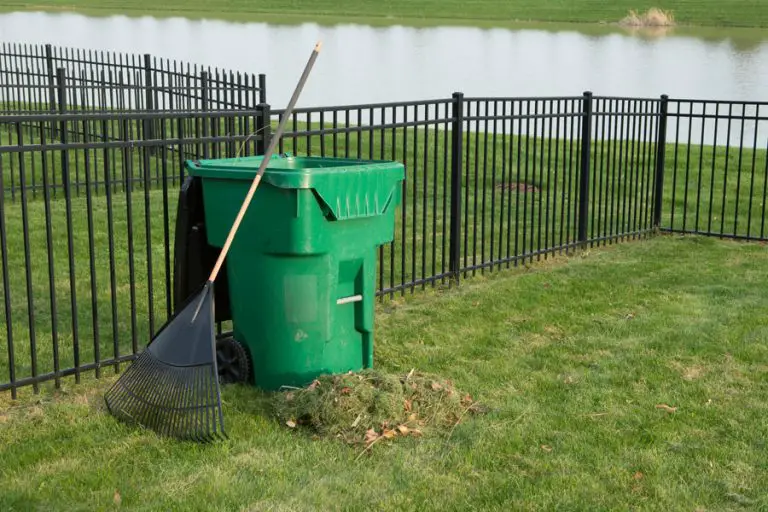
<point>747,13</point>
<point>633,377</point>
<point>519,200</point>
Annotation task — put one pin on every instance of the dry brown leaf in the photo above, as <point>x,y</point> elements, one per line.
<point>638,475</point>
<point>436,386</point>
<point>314,384</point>
<point>403,429</point>
<point>117,498</point>
<point>546,448</point>
<point>389,434</point>
<point>346,391</point>
<point>408,405</point>
<point>370,436</point>
<point>666,407</point>
<point>415,432</point>
<point>412,417</point>
<point>291,423</point>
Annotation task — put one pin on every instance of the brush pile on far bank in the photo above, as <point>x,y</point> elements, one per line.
<point>654,17</point>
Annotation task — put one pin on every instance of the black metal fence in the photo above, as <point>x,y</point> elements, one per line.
<point>46,78</point>
<point>490,183</point>
<point>716,168</point>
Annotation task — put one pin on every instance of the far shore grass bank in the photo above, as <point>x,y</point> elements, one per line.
<point>700,13</point>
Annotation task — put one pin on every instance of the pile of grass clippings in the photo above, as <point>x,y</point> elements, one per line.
<point>371,406</point>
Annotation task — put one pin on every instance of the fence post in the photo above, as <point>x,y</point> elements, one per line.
<point>586,147</point>
<point>61,87</point>
<point>204,101</point>
<point>262,88</point>
<point>51,81</point>
<point>661,154</point>
<point>263,127</point>
<point>51,86</point>
<point>149,103</point>
<point>457,137</point>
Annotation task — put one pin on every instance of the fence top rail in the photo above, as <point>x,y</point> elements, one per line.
<point>47,116</point>
<point>365,106</point>
<point>627,98</point>
<point>522,98</point>
<point>719,102</point>
<point>721,116</point>
<point>507,117</point>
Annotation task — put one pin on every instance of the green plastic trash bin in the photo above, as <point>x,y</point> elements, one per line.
<point>301,269</point>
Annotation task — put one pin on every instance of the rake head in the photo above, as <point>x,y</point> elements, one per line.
<point>172,387</point>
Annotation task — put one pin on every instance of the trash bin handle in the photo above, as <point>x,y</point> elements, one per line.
<point>272,143</point>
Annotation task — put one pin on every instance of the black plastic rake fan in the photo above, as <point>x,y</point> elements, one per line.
<point>172,387</point>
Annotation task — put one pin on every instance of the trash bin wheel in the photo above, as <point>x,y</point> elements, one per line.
<point>233,361</point>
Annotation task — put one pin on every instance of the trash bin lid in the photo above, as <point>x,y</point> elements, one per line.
<point>348,188</point>
<point>286,171</point>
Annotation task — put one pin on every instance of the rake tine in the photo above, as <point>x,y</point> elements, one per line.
<point>178,418</point>
<point>187,425</point>
<point>165,400</point>
<point>207,409</point>
<point>198,416</point>
<point>162,387</point>
<point>216,425</point>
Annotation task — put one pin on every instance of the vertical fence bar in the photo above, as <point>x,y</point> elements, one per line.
<point>765,191</point>
<point>415,201</point>
<point>62,81</point>
<point>661,154</point>
<point>128,168</point>
<point>49,241</point>
<point>146,164</point>
<point>456,153</point>
<point>674,165</point>
<point>149,103</point>
<point>586,131</point>
<point>92,252</point>
<point>27,259</point>
<point>738,169</point>
<point>752,180</point>
<point>7,288</point>
<point>51,77</point>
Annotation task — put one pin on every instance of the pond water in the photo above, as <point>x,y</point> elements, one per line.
<point>370,64</point>
<point>365,64</point>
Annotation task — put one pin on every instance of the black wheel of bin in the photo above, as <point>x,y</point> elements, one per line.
<point>233,361</point>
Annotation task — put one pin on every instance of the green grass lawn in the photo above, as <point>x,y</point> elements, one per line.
<point>747,13</point>
<point>575,359</point>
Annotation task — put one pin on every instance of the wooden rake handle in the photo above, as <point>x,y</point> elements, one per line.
<point>257,179</point>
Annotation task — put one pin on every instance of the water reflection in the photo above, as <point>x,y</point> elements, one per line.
<point>372,64</point>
